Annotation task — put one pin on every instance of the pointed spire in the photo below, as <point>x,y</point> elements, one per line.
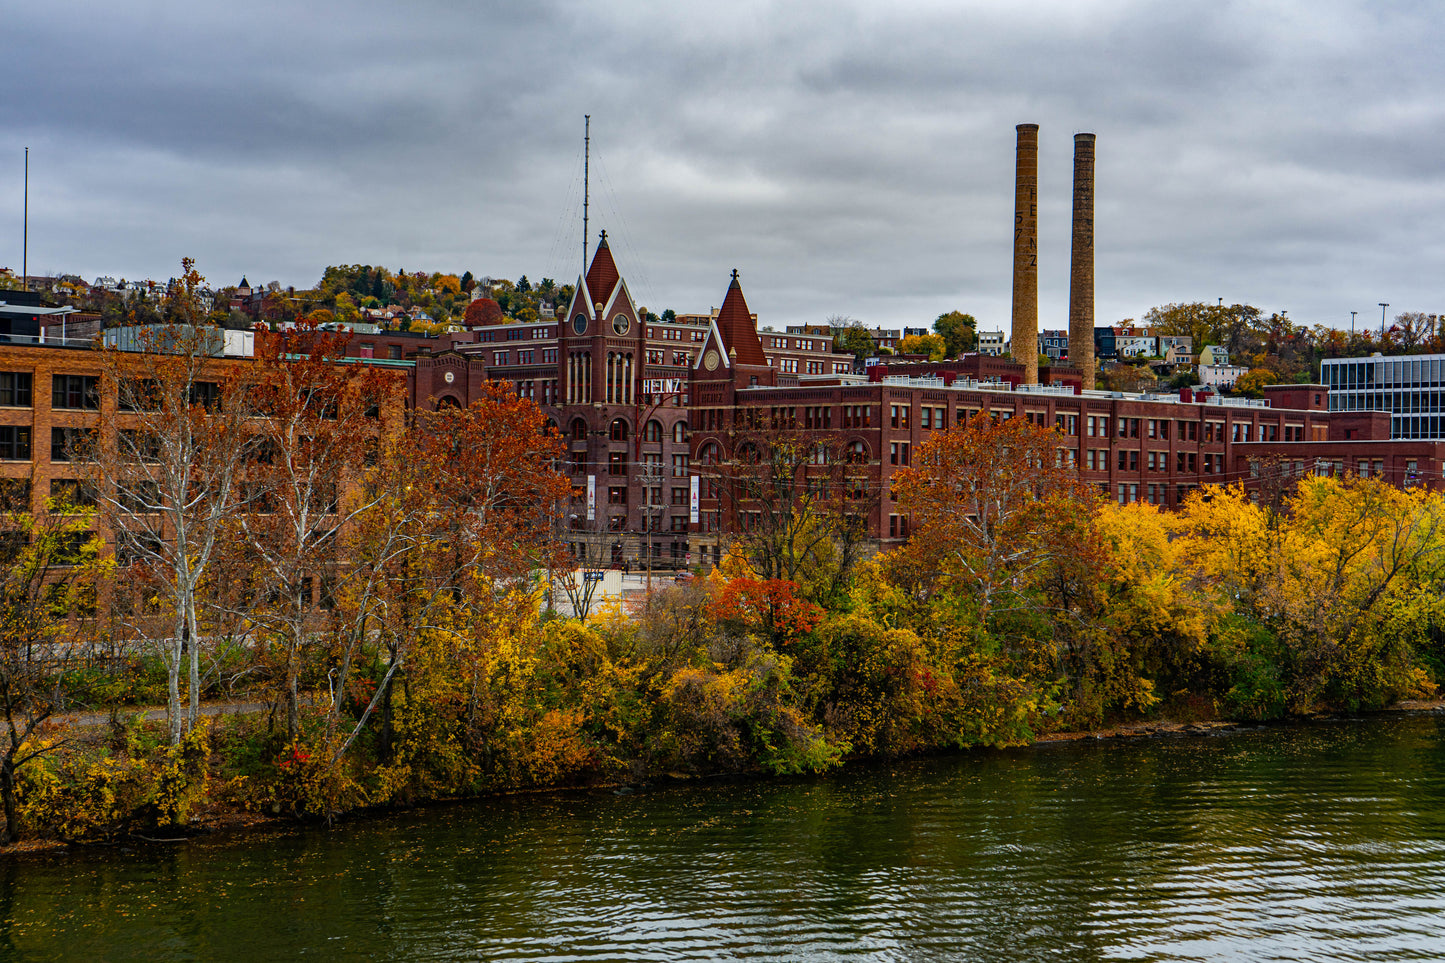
<point>602,276</point>
<point>739,331</point>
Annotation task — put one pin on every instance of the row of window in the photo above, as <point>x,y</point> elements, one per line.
<point>620,430</point>
<point>82,392</point>
<point>15,442</point>
<point>617,464</point>
<point>618,523</point>
<point>1364,467</point>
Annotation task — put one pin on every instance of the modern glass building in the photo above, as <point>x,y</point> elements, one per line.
<point>1410,387</point>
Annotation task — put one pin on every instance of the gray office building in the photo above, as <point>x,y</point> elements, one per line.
<point>1410,387</point>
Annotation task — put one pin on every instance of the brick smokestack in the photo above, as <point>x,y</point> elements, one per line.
<point>1026,253</point>
<point>1081,265</point>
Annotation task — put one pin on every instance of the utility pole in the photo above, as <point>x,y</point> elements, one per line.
<point>1383,306</point>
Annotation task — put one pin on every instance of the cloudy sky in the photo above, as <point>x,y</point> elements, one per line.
<point>851,159</point>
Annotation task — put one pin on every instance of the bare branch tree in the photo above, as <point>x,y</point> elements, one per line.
<point>164,469</point>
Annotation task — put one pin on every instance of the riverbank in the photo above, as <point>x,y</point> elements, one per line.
<point>219,825</point>
<point>1227,846</point>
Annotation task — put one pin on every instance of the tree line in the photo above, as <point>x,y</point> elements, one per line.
<point>430,666</point>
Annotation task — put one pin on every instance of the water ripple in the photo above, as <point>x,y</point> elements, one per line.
<point>1311,843</point>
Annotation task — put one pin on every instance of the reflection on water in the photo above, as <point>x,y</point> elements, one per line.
<point>1309,843</point>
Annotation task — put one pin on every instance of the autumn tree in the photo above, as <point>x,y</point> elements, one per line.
<point>992,510</point>
<point>1252,383</point>
<point>165,471</point>
<point>51,565</point>
<point>317,420</point>
<point>931,345</point>
<point>800,501</point>
<point>959,332</point>
<point>1415,329</point>
<point>481,312</point>
<point>850,337</point>
<point>1345,577</point>
<point>459,521</point>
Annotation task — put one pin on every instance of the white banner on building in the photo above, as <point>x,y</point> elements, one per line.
<point>591,498</point>
<point>693,513</point>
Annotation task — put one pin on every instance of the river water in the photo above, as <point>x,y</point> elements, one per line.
<point>1313,842</point>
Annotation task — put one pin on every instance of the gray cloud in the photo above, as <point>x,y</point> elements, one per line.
<point>847,158</point>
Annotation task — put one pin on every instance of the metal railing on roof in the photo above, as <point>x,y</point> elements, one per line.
<point>48,341</point>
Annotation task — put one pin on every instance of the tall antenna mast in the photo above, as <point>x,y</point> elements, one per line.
<point>25,229</point>
<point>586,182</point>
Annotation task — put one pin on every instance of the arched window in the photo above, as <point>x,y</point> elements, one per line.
<point>858,453</point>
<point>653,431</point>
<point>579,429</point>
<point>619,429</point>
<point>710,454</point>
<point>679,432</point>
<point>551,428</point>
<point>447,401</point>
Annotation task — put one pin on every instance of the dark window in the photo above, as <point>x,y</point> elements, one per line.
<point>207,394</point>
<point>14,443</point>
<point>11,545</point>
<point>69,491</point>
<point>139,497</point>
<point>75,391</point>
<point>138,394</point>
<point>69,549</point>
<point>15,388</point>
<point>71,444</point>
<point>14,495</point>
<point>139,445</point>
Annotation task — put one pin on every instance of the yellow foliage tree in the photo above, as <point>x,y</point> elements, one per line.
<point>1335,576</point>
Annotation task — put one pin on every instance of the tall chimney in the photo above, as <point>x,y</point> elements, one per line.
<point>1081,265</point>
<point>1026,253</point>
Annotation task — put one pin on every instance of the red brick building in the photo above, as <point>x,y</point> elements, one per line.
<point>641,403</point>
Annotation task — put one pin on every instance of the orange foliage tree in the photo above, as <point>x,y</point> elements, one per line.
<point>771,606</point>
<point>482,311</point>
<point>464,500</point>
<point>997,517</point>
<point>318,421</point>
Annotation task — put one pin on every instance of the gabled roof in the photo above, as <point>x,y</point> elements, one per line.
<point>621,296</point>
<point>579,302</point>
<point>739,332</point>
<point>602,276</point>
<point>713,340</point>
